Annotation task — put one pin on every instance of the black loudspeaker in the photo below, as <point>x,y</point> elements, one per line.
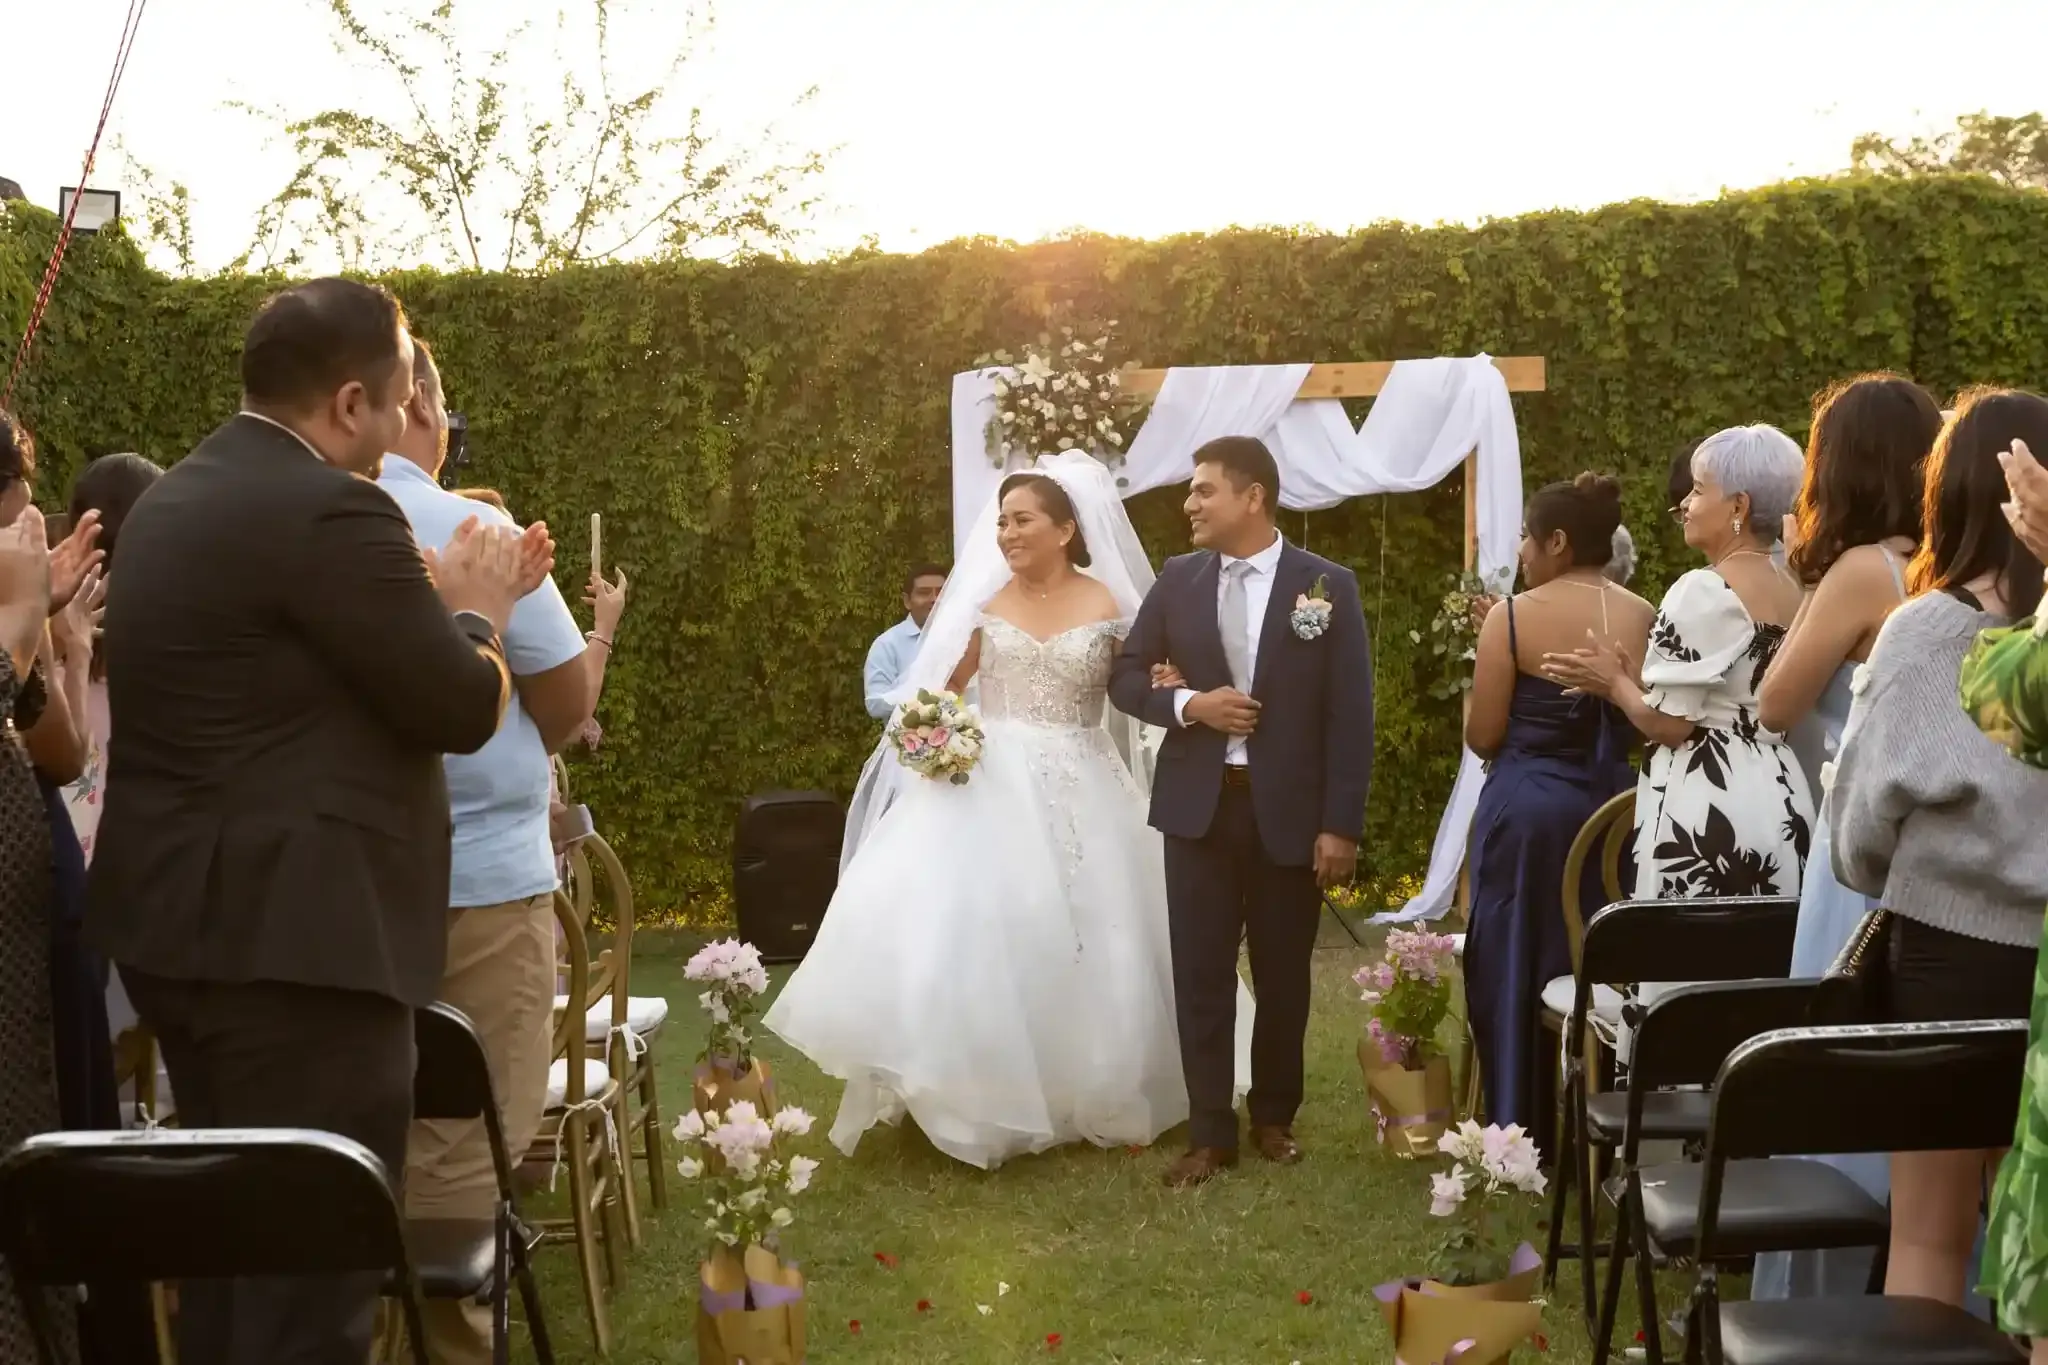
<point>785,866</point>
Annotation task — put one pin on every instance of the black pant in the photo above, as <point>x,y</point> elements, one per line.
<point>274,1055</point>
<point>1221,890</point>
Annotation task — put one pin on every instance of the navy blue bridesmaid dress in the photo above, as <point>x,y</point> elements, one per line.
<point>1562,759</point>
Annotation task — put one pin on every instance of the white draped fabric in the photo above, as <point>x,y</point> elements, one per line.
<point>1428,416</point>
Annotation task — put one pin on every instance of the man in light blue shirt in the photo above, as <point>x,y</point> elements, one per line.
<point>890,655</point>
<point>501,927</point>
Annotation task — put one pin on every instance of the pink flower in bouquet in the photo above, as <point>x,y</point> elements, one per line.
<point>1420,954</point>
<point>1392,1046</point>
<point>911,743</point>
<point>940,736</point>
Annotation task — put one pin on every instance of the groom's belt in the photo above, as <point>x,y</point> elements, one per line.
<point>1236,775</point>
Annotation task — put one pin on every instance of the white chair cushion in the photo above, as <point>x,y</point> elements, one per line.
<point>645,1014</point>
<point>595,1079</point>
<point>1557,997</point>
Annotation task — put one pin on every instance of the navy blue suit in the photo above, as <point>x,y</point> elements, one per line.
<point>1240,855</point>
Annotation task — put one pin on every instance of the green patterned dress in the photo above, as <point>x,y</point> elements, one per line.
<point>2005,690</point>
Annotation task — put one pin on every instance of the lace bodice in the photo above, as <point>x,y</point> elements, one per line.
<point>1062,681</point>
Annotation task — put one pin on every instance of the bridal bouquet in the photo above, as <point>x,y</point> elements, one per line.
<point>734,982</point>
<point>1407,1080</point>
<point>750,1302</point>
<point>1482,1304</point>
<point>937,735</point>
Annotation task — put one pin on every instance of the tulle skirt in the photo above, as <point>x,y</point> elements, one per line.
<point>995,963</point>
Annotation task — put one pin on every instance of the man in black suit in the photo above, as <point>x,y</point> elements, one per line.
<point>272,868</point>
<point>1253,655</point>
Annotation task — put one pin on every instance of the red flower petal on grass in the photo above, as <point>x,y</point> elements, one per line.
<point>924,1305</point>
<point>853,1326</point>
<point>1541,1342</point>
<point>1639,1337</point>
<point>1304,1298</point>
<point>1135,1150</point>
<point>1052,1341</point>
<point>885,1260</point>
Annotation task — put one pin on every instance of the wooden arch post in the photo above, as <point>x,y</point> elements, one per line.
<point>1365,379</point>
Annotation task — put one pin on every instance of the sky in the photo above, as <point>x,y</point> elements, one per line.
<point>949,118</point>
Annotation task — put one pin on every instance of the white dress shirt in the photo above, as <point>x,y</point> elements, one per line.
<point>1258,594</point>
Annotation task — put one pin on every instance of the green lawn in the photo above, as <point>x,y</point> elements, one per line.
<point>1092,1246</point>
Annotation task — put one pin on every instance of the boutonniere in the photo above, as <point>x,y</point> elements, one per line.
<point>1311,614</point>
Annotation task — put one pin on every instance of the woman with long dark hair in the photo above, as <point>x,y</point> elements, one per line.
<point>1926,812</point>
<point>1855,524</point>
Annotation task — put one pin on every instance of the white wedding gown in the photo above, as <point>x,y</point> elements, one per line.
<point>995,962</point>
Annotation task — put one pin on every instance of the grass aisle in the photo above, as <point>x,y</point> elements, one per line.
<point>1093,1247</point>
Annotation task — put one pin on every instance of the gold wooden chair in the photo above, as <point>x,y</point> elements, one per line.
<point>623,1029</point>
<point>1606,832</point>
<point>579,1134</point>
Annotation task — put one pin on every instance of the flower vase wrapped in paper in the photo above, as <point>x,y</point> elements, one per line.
<point>750,1309</point>
<point>734,981</point>
<point>1483,1305</point>
<point>1407,1081</point>
<point>750,1301</point>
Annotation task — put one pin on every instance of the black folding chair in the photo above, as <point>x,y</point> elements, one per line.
<point>472,1259</point>
<point>197,1204</point>
<point>1784,1205</point>
<point>1629,942</point>
<point>1814,1091</point>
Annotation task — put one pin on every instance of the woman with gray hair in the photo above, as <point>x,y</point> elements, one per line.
<point>1722,808</point>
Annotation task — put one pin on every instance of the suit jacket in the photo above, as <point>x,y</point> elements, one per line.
<point>283,679</point>
<point>1311,755</point>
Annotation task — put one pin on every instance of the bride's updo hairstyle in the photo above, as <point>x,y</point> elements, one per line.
<point>1587,510</point>
<point>1054,502</point>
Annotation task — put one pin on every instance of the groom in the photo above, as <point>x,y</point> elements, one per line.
<point>1259,811</point>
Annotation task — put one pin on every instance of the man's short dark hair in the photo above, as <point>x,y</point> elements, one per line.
<point>424,368</point>
<point>308,341</point>
<point>921,571</point>
<point>1245,461</point>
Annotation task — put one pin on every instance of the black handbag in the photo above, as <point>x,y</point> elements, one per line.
<point>1852,990</point>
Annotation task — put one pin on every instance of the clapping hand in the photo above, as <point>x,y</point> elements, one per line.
<point>24,587</point>
<point>72,559</point>
<point>1592,670</point>
<point>72,629</point>
<point>2028,510</point>
<point>486,569</point>
<point>536,557</point>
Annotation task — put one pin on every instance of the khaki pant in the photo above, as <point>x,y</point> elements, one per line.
<point>501,973</point>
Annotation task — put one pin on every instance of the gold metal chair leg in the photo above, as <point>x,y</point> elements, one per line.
<point>575,1138</point>
<point>652,1137</point>
<point>622,1120</point>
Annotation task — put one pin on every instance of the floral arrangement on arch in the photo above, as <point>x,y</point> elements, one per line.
<point>1454,633</point>
<point>734,980</point>
<point>1409,993</point>
<point>1060,394</point>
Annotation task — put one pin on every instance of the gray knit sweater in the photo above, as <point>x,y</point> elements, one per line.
<point>1926,812</point>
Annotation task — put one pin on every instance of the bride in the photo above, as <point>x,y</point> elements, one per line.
<point>995,962</point>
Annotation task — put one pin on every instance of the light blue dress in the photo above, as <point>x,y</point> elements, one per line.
<point>1828,914</point>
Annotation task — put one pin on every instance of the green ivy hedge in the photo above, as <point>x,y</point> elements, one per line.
<point>769,441</point>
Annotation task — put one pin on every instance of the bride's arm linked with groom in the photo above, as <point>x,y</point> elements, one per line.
<point>1264,689</point>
